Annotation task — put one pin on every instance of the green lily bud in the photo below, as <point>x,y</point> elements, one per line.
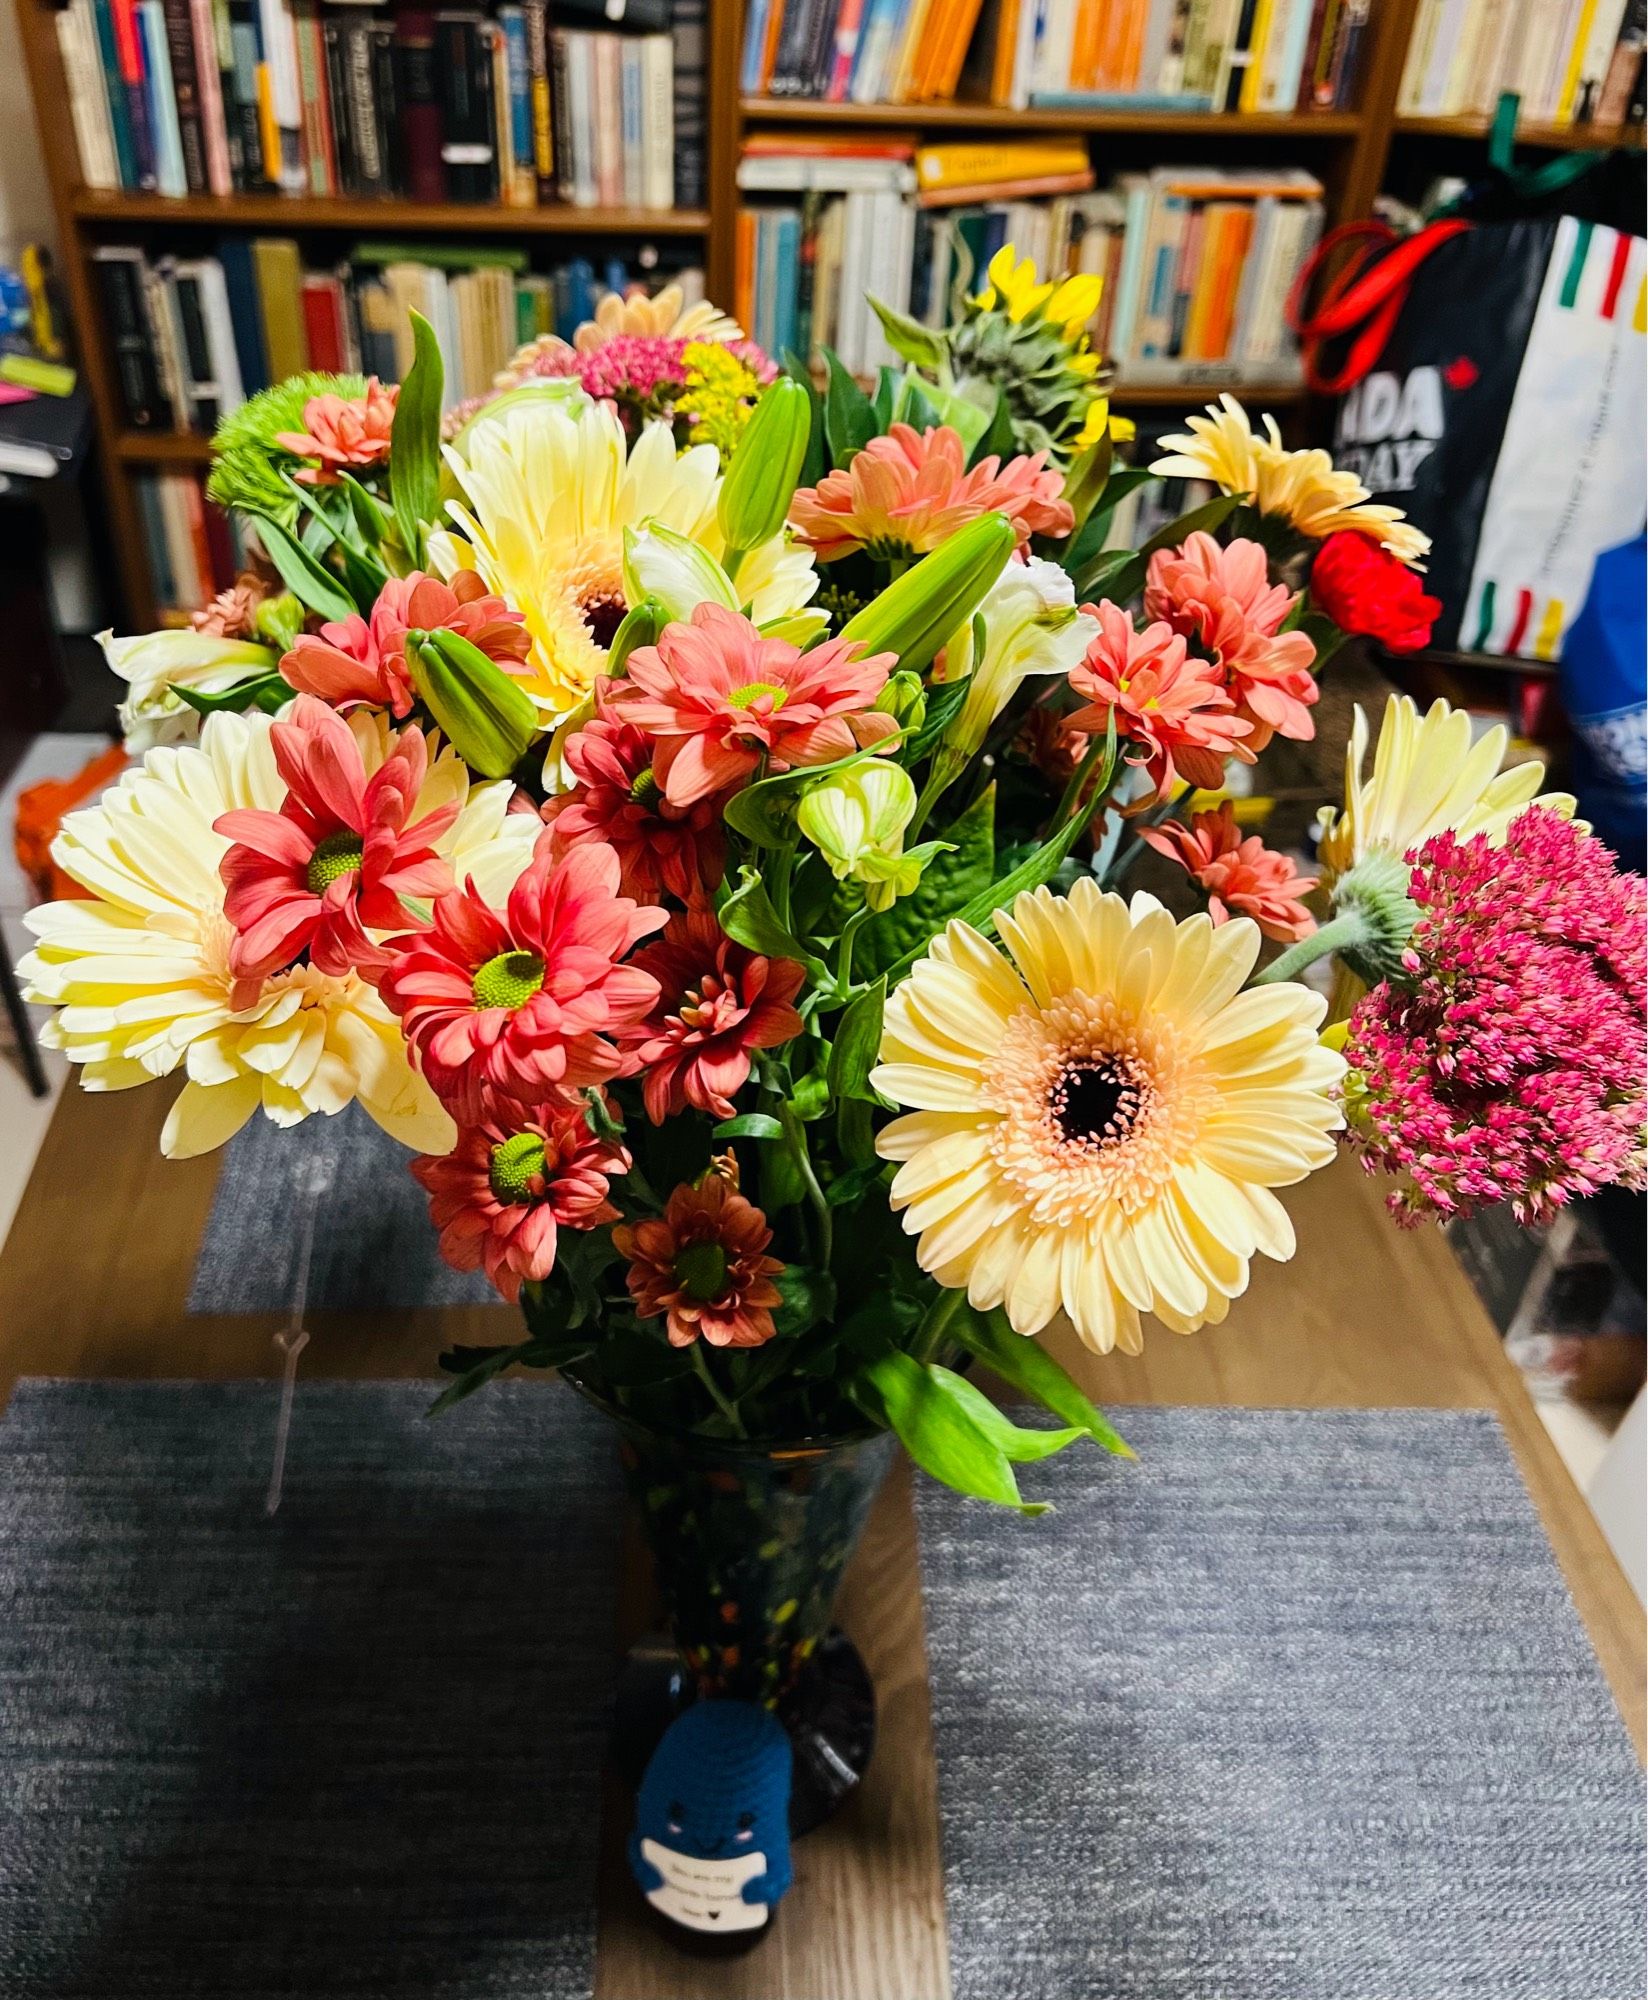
<point>488,716</point>
<point>641,627</point>
<point>915,614</point>
<point>676,573</point>
<point>760,483</point>
<point>904,698</point>
<point>856,820</point>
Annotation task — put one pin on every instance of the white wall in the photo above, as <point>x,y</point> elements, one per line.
<point>25,204</point>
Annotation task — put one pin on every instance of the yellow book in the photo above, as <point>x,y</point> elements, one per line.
<point>980,164</point>
<point>1254,73</point>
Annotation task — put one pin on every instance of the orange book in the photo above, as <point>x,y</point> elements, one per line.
<point>965,197</point>
<point>962,30</point>
<point>1007,41</point>
<point>743,304</point>
<point>769,51</point>
<point>1086,44</point>
<point>1234,243</point>
<point>923,71</point>
<point>1132,45</point>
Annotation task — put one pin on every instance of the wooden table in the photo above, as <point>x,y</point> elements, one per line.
<point>92,1283</point>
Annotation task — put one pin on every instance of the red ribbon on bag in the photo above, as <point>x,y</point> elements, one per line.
<point>1362,299</point>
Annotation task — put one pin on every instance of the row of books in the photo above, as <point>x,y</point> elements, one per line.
<point>1180,55</point>
<point>184,97</point>
<point>1197,261</point>
<point>192,337</point>
<point>194,549</point>
<point>1568,60</point>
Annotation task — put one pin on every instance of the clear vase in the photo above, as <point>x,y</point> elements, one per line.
<point>749,1544</point>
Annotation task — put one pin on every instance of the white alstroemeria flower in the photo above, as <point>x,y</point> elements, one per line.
<point>1029,625</point>
<point>153,663</point>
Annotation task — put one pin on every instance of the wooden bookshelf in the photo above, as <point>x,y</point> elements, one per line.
<point>1349,151</point>
<point>1542,138</point>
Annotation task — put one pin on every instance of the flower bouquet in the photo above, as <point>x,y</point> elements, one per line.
<point>610,796</point>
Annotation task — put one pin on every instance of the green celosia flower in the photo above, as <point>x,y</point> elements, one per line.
<point>247,463</point>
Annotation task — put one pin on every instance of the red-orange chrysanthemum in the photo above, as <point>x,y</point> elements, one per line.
<point>716,697</point>
<point>702,1264</point>
<point>510,1185</point>
<point>1242,877</point>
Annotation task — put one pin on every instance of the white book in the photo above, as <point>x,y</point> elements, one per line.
<point>1053,53</point>
<point>658,121</point>
<point>1433,91</point>
<point>1421,40</point>
<point>1254,275</point>
<point>1284,55</point>
<point>796,172</point>
<point>1585,77</point>
<point>1153,49</point>
<point>177,523</point>
<point>857,230</point>
<point>1024,49</point>
<point>88,99</point>
<point>213,295</point>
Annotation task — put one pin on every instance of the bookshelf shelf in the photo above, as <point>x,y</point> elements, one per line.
<point>1002,118</point>
<point>1191,395</point>
<point>161,448</point>
<point>1549,138</point>
<point>381,218</point>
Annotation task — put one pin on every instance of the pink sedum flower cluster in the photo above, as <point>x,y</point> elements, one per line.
<point>1508,1065</point>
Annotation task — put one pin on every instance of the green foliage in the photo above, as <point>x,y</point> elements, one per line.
<point>748,918</point>
<point>474,1367</point>
<point>909,338</point>
<point>814,465</point>
<point>952,1430</point>
<point>261,418</point>
<point>1027,1365</point>
<point>914,616</point>
<point>268,692</point>
<point>749,1125</point>
<point>849,415</point>
<point>857,1039</point>
<point>949,883</point>
<point>415,442</point>
<point>306,576</point>
<point>1120,574</point>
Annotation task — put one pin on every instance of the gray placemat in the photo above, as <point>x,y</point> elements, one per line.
<point>374,1248</point>
<point>1296,1707</point>
<point>350,1753</point>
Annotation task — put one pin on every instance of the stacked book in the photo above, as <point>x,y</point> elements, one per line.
<point>192,337</point>
<point>1197,261</point>
<point>194,548</point>
<point>190,97</point>
<point>1176,55</point>
<point>1570,61</point>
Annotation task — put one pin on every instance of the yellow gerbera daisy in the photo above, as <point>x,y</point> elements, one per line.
<point>1098,1114</point>
<point>139,970</point>
<point>550,490</point>
<point>1427,777</point>
<point>1304,488</point>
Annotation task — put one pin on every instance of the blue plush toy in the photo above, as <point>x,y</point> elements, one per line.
<point>711,1847</point>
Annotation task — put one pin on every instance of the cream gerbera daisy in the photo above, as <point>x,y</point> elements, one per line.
<point>1098,1115</point>
<point>139,970</point>
<point>1427,777</point>
<point>1304,488</point>
<point>550,489</point>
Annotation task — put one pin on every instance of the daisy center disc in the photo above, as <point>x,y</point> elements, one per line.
<point>339,854</point>
<point>701,1271</point>
<point>515,1165</point>
<point>1098,1101</point>
<point>747,697</point>
<point>509,980</point>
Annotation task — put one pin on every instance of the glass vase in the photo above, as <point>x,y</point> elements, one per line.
<point>749,1544</point>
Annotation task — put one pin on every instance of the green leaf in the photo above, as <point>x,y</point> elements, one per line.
<point>808,1295</point>
<point>908,337</point>
<point>997,438</point>
<point>914,406</point>
<point>415,441</point>
<point>1115,574</point>
<point>267,692</point>
<point>765,811</point>
<point>1120,575</point>
<point>949,884</point>
<point>1021,1446</point>
<point>749,1125</point>
<point>940,1433</point>
<point>849,416</point>
<point>848,1189</point>
<point>370,519</point>
<point>308,579</point>
<point>598,1117</point>
<point>882,401</point>
<point>529,1353</point>
<point>944,704</point>
<point>813,466</point>
<point>1027,1365</point>
<point>857,1041</point>
<point>1200,520</point>
<point>748,918</point>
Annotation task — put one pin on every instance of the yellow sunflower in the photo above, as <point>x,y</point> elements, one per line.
<point>1427,777</point>
<point>1304,488</point>
<point>549,489</point>
<point>1098,1114</point>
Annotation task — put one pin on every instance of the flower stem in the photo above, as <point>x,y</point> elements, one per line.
<point>1078,778</point>
<point>935,1323</point>
<point>796,1139</point>
<point>1348,928</point>
<point>844,961</point>
<point>728,1409</point>
<point>946,768</point>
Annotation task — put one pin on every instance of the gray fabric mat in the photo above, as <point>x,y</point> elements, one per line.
<point>375,1247</point>
<point>1296,1707</point>
<point>350,1753</point>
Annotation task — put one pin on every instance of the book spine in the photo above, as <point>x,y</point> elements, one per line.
<point>209,89</point>
<point>464,69</point>
<point>312,96</point>
<point>134,72</point>
<point>689,86</point>
<point>522,132</point>
<point>203,408</point>
<point>1624,66</point>
<point>246,46</point>
<point>386,108</point>
<point>180,55</point>
<point>658,118</point>
<point>171,177</point>
<point>560,92</point>
<point>284,106</point>
<point>609,121</point>
<point>88,103</point>
<point>632,142</point>
<point>120,280</point>
<point>359,70</point>
<point>543,123</point>
<point>114,90</point>
<point>420,100</point>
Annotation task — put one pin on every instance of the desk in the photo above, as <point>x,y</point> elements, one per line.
<point>93,1279</point>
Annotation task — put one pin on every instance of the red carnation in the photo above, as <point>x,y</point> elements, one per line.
<point>1363,588</point>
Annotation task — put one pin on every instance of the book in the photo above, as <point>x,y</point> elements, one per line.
<point>119,272</point>
<point>88,102</point>
<point>689,71</point>
<point>180,59</point>
<point>170,176</point>
<point>278,273</point>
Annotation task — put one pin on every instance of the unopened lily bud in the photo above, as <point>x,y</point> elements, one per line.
<point>904,698</point>
<point>761,481</point>
<point>675,572</point>
<point>856,820</point>
<point>486,714</point>
<point>917,612</point>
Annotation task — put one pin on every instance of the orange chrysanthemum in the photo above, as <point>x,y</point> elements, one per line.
<point>702,1264</point>
<point>1241,877</point>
